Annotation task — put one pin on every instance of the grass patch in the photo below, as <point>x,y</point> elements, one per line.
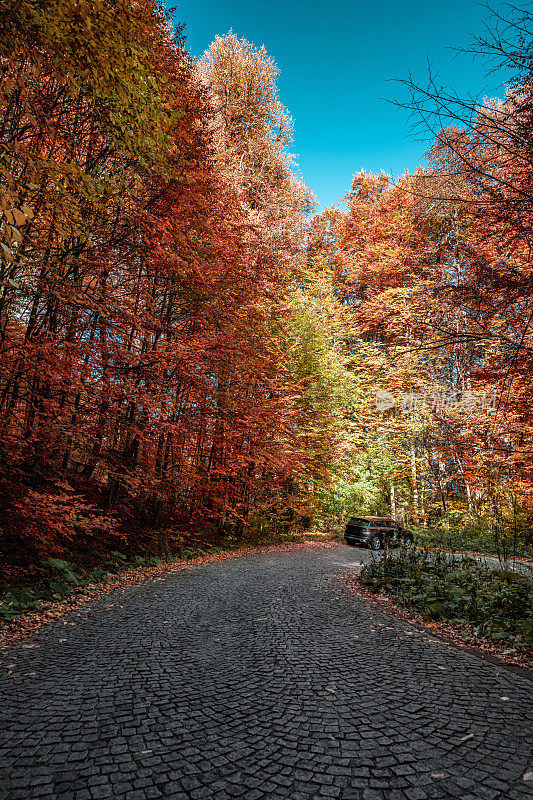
<point>495,604</point>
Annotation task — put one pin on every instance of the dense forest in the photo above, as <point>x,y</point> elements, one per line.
<point>185,350</point>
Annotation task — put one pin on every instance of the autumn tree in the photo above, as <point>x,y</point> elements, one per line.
<point>479,185</point>
<point>146,379</point>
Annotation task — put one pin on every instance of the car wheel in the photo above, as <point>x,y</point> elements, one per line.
<point>375,543</point>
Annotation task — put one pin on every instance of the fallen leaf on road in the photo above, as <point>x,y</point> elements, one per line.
<point>442,667</point>
<point>467,737</point>
<point>261,619</point>
<point>437,776</point>
<point>528,776</point>
<point>505,698</point>
<point>331,691</point>
<point>29,646</point>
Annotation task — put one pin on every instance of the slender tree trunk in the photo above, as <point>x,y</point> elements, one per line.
<point>422,506</point>
<point>469,501</point>
<point>414,479</point>
<point>392,500</point>
<point>442,490</point>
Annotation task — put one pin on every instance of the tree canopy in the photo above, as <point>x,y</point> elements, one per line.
<point>183,347</point>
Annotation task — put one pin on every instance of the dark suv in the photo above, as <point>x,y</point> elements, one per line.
<point>376,532</point>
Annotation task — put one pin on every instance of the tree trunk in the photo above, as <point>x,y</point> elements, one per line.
<point>414,479</point>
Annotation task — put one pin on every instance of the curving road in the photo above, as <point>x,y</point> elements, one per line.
<point>259,678</point>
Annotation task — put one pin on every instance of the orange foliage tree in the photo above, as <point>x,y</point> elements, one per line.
<point>145,379</point>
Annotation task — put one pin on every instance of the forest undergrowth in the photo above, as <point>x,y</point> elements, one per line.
<point>490,604</point>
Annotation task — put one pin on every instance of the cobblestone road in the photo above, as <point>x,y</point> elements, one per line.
<point>258,677</point>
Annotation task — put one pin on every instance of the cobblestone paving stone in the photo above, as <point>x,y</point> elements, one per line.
<point>257,678</point>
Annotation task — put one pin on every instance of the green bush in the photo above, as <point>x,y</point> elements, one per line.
<point>59,578</point>
<point>63,572</point>
<point>475,539</point>
<point>496,603</point>
<point>97,575</point>
<point>118,556</point>
<point>16,600</point>
<point>190,553</point>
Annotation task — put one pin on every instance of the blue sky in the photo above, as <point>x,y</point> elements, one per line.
<point>338,60</point>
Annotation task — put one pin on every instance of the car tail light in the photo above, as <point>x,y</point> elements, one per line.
<point>366,530</point>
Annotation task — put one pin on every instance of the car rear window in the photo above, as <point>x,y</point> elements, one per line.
<point>361,521</point>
